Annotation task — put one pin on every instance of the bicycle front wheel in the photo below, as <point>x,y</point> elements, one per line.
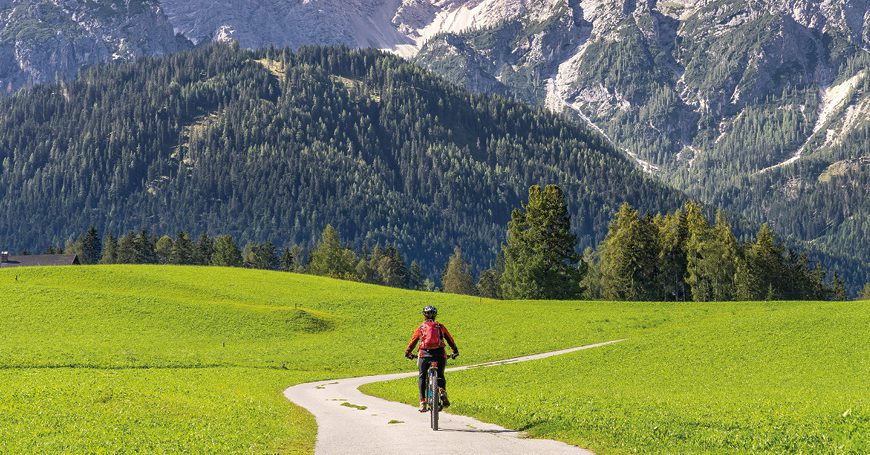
<point>435,396</point>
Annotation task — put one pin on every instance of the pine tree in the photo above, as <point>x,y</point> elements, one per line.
<point>182,251</point>
<point>457,278</point>
<point>287,260</point>
<point>127,249</point>
<point>144,244</point>
<point>838,288</point>
<point>298,259</point>
<point>541,260</point>
<point>391,268</point>
<point>91,247</point>
<point>865,294</point>
<point>263,256</point>
<point>489,284</point>
<point>110,250</point>
<point>416,278</point>
<point>226,252</point>
<point>673,236</point>
<point>204,250</point>
<point>629,257</point>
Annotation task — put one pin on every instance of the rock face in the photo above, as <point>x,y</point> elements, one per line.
<point>42,41</point>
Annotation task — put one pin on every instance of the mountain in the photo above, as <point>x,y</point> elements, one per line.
<point>43,41</point>
<point>760,107</point>
<point>274,145</point>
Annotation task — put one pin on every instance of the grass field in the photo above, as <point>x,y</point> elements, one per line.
<point>788,377</point>
<point>186,359</point>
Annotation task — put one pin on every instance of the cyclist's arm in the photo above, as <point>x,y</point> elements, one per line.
<point>449,339</point>
<point>414,340</point>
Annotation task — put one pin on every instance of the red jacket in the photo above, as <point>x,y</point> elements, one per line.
<point>445,336</point>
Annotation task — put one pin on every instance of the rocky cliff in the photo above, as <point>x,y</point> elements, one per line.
<point>42,41</point>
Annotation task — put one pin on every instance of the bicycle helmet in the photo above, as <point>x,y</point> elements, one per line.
<point>430,312</point>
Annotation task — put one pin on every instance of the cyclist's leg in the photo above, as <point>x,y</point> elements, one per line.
<point>423,367</point>
<point>442,364</point>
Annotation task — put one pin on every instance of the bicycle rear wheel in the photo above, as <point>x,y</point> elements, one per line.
<point>435,397</point>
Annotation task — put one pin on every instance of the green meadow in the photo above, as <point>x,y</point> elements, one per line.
<point>187,359</point>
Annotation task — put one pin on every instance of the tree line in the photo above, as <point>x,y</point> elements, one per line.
<point>678,256</point>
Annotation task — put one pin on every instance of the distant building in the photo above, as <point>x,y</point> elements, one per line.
<point>37,260</point>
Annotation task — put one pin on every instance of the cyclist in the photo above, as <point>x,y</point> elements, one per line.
<point>431,336</point>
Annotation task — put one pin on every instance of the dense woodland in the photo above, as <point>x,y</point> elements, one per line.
<point>275,145</point>
<point>678,256</point>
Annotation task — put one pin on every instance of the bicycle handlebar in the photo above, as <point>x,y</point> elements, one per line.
<point>450,356</point>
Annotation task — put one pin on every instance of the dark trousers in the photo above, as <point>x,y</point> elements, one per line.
<point>423,363</point>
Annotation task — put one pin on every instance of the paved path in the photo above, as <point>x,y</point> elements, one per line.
<point>343,429</point>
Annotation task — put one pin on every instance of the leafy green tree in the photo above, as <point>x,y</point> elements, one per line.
<point>331,258</point>
<point>629,257</point>
<point>91,247</point>
<point>163,249</point>
<point>541,259</point>
<point>183,250</point>
<point>110,250</point>
<point>365,273</point>
<point>457,278</point>
<point>226,252</point>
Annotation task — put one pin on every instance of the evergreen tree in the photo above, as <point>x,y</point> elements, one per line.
<point>489,284</point>
<point>541,261</point>
<point>391,268</point>
<point>71,246</point>
<point>416,278</point>
<point>287,260</point>
<point>203,250</point>
<point>127,249</point>
<point>264,256</point>
<point>457,278</point>
<point>673,262</point>
<point>629,257</point>
<point>144,245</point>
<point>330,258</point>
<point>226,252</point>
<point>865,294</point>
<point>110,250</point>
<point>163,249</point>
<point>183,251</point>
<point>591,281</point>
<point>299,259</point>
<point>838,288</point>
<point>91,247</point>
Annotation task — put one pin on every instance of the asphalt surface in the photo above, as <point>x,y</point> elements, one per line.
<point>349,421</point>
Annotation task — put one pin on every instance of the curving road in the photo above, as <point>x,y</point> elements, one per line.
<point>349,421</point>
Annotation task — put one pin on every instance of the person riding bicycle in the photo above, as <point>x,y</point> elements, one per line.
<point>431,336</point>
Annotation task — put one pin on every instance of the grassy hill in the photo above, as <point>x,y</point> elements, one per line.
<point>169,359</point>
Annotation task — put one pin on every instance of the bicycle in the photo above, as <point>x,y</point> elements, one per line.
<point>433,393</point>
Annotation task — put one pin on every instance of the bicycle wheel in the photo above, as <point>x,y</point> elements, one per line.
<point>435,397</point>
